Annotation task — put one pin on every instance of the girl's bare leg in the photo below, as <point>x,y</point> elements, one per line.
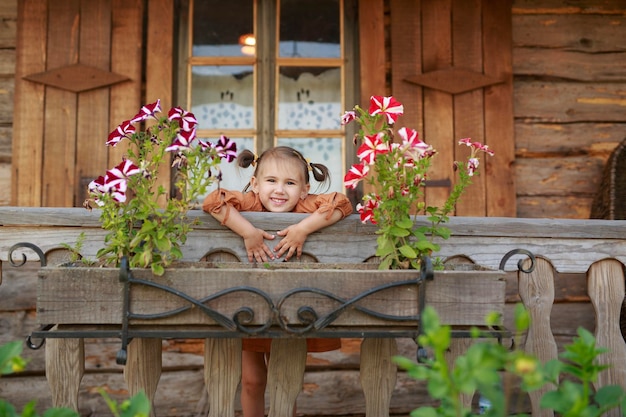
<point>253,383</point>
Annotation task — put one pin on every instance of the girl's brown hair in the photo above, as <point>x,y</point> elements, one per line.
<point>320,172</point>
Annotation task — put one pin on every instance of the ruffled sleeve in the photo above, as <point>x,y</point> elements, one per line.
<point>214,202</point>
<point>325,203</point>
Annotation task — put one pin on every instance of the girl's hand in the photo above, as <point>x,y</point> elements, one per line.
<point>292,242</point>
<point>255,246</point>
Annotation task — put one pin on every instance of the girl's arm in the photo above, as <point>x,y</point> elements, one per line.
<point>295,235</point>
<point>253,238</point>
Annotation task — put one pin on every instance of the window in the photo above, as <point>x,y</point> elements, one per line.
<point>267,73</point>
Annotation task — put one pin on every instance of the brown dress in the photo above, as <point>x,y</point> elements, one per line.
<point>323,203</point>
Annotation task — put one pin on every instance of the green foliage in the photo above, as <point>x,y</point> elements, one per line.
<point>481,368</point>
<point>395,165</point>
<point>145,223</point>
<point>11,362</point>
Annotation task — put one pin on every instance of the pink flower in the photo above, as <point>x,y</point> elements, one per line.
<point>186,120</point>
<point>417,148</point>
<point>472,166</point>
<point>356,173</point>
<point>371,146</point>
<point>147,111</point>
<point>348,117</point>
<point>476,146</point>
<point>387,106</point>
<point>125,130</point>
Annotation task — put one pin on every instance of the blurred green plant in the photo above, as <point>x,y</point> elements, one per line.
<point>482,367</point>
<point>12,362</point>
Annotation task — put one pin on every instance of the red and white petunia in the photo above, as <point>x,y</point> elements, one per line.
<point>183,141</point>
<point>356,173</point>
<point>348,117</point>
<point>416,147</point>
<point>367,210</point>
<point>371,146</point>
<point>472,166</point>
<point>148,111</point>
<point>226,148</point>
<point>125,130</point>
<point>186,120</point>
<point>476,146</point>
<point>387,106</point>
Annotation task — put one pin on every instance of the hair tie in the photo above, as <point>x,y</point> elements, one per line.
<point>254,159</point>
<point>308,164</point>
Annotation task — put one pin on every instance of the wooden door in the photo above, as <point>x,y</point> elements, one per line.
<point>79,75</point>
<point>450,65</point>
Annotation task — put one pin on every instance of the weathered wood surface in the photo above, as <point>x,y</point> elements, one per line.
<point>569,249</point>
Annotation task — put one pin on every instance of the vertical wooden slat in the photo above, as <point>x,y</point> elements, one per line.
<point>468,107</point>
<point>606,290</point>
<point>497,38</point>
<point>93,106</point>
<point>65,366</point>
<point>222,374</point>
<point>438,105</point>
<point>372,51</point>
<point>406,60</point>
<point>159,63</point>
<point>143,368</point>
<point>378,375</point>
<point>27,152</point>
<point>536,290</point>
<point>126,59</point>
<point>60,112</point>
<point>285,375</point>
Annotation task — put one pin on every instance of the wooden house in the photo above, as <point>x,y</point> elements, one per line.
<point>542,82</point>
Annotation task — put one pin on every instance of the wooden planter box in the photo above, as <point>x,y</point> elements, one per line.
<point>279,300</point>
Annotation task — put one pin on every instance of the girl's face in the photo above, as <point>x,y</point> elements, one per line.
<point>279,184</point>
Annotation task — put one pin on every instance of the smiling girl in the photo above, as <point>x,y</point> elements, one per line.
<point>279,184</point>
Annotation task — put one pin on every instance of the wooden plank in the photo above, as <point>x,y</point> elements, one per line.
<point>559,176</point>
<point>8,9</point>
<point>7,62</point>
<point>126,59</point>
<point>543,139</point>
<point>8,29</point>
<point>570,65</point>
<point>6,100</point>
<point>27,121</point>
<point>406,60</point>
<point>438,105</point>
<point>159,64</point>
<point>593,33</point>
<point>559,7</point>
<point>468,107</point>
<point>567,207</point>
<point>372,58</point>
<point>499,172</point>
<point>606,290</point>
<point>60,111</point>
<point>61,295</point>
<point>565,102</point>
<point>93,106</point>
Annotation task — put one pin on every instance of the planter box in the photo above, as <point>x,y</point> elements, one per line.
<point>285,298</point>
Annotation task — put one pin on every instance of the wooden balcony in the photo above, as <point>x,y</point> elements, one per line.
<point>563,249</point>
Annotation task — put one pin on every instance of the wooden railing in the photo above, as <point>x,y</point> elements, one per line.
<point>593,247</point>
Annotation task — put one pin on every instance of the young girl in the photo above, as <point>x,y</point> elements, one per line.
<point>280,184</point>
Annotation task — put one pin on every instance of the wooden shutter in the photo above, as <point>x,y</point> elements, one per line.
<point>451,67</point>
<point>79,75</point>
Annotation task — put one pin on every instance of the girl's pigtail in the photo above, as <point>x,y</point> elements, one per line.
<point>246,158</point>
<point>320,173</point>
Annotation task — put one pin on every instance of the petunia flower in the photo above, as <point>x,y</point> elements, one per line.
<point>387,106</point>
<point>348,117</point>
<point>371,146</point>
<point>186,120</point>
<point>226,148</point>
<point>148,111</point>
<point>367,210</point>
<point>183,141</point>
<point>124,130</point>
<point>356,173</point>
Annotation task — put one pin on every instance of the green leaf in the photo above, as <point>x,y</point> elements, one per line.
<point>407,251</point>
<point>399,231</point>
<point>405,223</point>
<point>609,395</point>
<point>424,412</point>
<point>60,412</point>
